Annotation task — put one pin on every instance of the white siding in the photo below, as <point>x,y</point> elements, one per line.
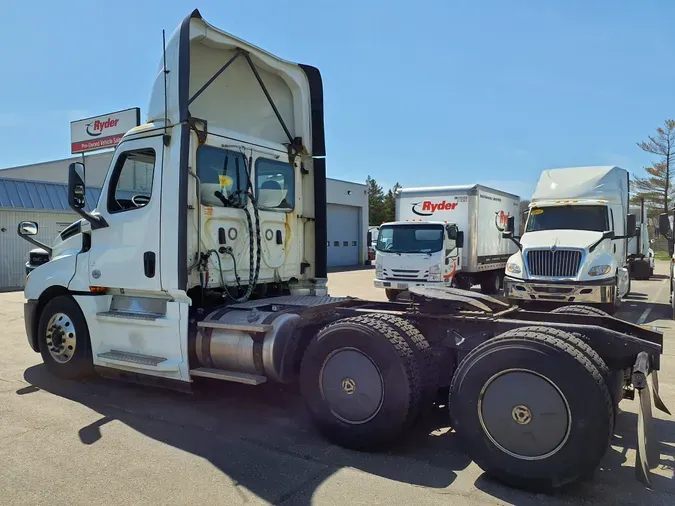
<point>14,249</point>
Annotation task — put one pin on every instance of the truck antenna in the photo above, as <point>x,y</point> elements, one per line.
<point>165,71</point>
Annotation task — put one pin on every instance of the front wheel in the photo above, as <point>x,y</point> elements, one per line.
<point>392,294</point>
<point>63,339</point>
<point>490,283</point>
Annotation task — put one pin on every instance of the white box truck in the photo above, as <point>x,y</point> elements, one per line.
<point>574,247</point>
<point>218,270</point>
<point>445,236</point>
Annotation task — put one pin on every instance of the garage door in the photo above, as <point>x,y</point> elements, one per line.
<point>344,243</point>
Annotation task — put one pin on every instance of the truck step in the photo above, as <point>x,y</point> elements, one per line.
<point>235,326</point>
<point>132,358</point>
<point>236,377</point>
<point>128,315</point>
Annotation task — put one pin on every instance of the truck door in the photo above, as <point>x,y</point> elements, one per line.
<point>125,254</point>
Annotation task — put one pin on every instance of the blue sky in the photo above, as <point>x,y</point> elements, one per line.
<point>423,93</point>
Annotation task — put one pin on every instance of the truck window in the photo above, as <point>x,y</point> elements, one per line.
<point>131,180</point>
<point>224,171</point>
<point>411,238</point>
<point>591,218</point>
<point>275,184</point>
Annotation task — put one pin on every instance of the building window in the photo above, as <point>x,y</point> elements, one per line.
<point>131,181</point>
<point>345,243</point>
<point>353,243</point>
<point>222,176</point>
<point>336,243</point>
<point>275,185</point>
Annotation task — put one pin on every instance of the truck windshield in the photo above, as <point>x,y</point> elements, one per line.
<point>592,218</point>
<point>410,238</point>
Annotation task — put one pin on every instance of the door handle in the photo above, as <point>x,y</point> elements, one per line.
<point>149,264</point>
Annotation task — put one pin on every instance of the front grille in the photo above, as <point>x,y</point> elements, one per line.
<point>405,275</point>
<point>561,263</point>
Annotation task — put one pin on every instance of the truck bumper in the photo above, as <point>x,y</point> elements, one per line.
<point>404,285</point>
<point>29,318</point>
<point>593,292</point>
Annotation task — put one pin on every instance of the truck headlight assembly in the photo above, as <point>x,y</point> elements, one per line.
<point>435,273</point>
<point>599,270</point>
<point>378,270</point>
<point>513,268</point>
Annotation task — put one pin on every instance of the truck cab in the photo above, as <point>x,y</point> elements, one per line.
<point>218,198</point>
<point>418,253</point>
<point>574,249</point>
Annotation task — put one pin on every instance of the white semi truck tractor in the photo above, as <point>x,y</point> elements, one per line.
<point>445,236</point>
<point>575,243</point>
<point>218,270</point>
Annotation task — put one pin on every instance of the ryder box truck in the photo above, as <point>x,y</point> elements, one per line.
<point>446,236</point>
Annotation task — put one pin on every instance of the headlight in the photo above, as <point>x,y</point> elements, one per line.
<point>435,277</point>
<point>513,268</point>
<point>435,269</point>
<point>599,270</point>
<point>378,270</point>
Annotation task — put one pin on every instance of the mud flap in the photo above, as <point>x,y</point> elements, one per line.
<point>647,448</point>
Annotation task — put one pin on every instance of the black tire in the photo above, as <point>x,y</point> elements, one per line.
<point>578,436</point>
<point>581,310</point>
<point>381,347</point>
<point>70,357</point>
<point>426,358</point>
<point>490,283</point>
<point>392,294</point>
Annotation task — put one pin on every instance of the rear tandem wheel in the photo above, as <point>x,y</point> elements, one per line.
<point>532,410</point>
<point>361,381</point>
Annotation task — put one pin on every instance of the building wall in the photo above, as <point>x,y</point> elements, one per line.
<point>56,171</point>
<point>14,249</point>
<point>351,194</point>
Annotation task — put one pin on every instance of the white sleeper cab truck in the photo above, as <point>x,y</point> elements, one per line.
<point>445,236</point>
<point>574,247</point>
<point>218,270</point>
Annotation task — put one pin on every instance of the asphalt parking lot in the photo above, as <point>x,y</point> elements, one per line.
<point>103,442</point>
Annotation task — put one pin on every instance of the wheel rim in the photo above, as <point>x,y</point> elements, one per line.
<point>496,285</point>
<point>352,385</point>
<point>61,338</point>
<point>524,414</point>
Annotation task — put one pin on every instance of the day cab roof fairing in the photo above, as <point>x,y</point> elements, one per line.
<point>241,92</point>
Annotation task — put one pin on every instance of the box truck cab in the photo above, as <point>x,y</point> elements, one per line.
<point>445,236</point>
<point>574,246</point>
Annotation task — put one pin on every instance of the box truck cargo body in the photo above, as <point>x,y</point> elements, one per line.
<point>419,249</point>
<point>574,248</point>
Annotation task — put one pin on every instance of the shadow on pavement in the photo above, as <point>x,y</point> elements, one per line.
<point>634,310</point>
<point>262,440</point>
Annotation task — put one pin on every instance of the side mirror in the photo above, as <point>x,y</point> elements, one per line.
<point>28,228</point>
<point>76,188</point>
<point>664,225</point>
<point>510,225</point>
<point>452,232</point>
<point>459,241</point>
<point>631,225</point>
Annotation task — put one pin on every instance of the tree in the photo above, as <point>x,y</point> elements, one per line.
<point>375,202</point>
<point>390,203</point>
<point>381,206</point>
<point>657,189</point>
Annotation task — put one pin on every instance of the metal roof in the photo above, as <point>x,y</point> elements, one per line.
<point>40,195</point>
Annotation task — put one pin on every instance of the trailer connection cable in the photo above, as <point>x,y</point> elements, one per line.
<point>241,203</point>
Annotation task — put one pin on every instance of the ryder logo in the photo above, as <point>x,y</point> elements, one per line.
<point>95,128</point>
<point>427,208</point>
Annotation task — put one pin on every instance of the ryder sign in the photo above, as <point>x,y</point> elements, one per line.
<point>104,131</point>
